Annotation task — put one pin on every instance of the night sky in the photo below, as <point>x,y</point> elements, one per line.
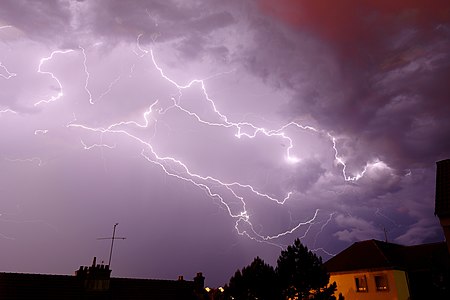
<point>217,131</point>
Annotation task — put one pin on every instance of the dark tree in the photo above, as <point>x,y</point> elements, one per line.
<point>301,274</point>
<point>257,281</point>
<point>236,288</point>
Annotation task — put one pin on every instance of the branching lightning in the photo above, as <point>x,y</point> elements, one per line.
<point>173,167</point>
<point>41,63</point>
<point>86,83</point>
<point>323,227</point>
<point>215,188</point>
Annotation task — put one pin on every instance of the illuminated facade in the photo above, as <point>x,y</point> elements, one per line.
<point>379,270</point>
<point>368,284</point>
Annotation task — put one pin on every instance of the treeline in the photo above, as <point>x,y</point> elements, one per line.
<point>299,274</point>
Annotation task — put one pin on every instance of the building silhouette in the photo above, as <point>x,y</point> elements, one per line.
<point>442,200</point>
<point>95,282</point>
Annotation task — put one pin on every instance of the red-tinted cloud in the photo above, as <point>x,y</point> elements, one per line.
<point>349,22</point>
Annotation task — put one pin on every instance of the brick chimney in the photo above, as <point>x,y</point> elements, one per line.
<point>95,277</point>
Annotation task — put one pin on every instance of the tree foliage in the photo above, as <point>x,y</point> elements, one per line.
<point>299,274</point>
<point>256,281</point>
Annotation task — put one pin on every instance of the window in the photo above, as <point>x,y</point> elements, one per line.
<point>361,283</point>
<point>381,283</point>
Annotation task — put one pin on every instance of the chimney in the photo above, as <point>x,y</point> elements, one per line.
<point>199,281</point>
<point>442,200</point>
<point>95,278</point>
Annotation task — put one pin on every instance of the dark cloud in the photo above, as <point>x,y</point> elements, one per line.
<point>354,27</point>
<point>38,19</point>
<point>389,60</point>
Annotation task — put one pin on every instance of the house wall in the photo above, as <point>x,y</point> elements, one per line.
<point>396,280</point>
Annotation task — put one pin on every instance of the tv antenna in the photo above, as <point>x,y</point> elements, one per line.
<point>112,242</point>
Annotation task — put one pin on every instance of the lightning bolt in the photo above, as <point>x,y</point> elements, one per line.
<point>6,237</point>
<point>216,188</point>
<point>41,63</point>
<point>86,147</point>
<point>7,110</point>
<point>323,227</point>
<point>378,212</point>
<point>32,160</point>
<point>88,75</point>
<point>8,74</point>
<point>3,67</point>
<point>31,221</point>
<point>40,131</point>
<point>138,45</point>
<point>324,251</point>
<point>242,126</point>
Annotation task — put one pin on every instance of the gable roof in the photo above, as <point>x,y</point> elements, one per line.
<point>376,255</point>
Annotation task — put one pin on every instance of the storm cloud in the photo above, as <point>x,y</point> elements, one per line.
<point>217,131</point>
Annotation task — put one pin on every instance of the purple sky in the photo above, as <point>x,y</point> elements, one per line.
<point>217,131</point>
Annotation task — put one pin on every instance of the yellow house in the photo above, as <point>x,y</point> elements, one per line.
<point>383,284</point>
<point>379,270</point>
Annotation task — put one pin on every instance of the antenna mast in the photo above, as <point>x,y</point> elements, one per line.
<point>112,242</point>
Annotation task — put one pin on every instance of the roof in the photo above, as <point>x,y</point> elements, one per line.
<point>49,287</point>
<point>32,286</point>
<point>376,255</point>
<point>122,288</point>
